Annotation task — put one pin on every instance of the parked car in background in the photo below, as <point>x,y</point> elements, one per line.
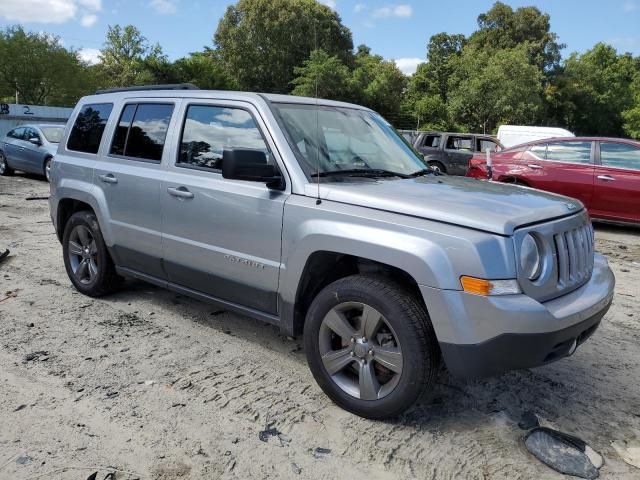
<point>30,148</point>
<point>450,152</point>
<point>603,173</point>
<point>317,217</point>
<point>511,135</point>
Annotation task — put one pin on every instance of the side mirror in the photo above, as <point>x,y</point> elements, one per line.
<point>36,141</point>
<point>250,165</point>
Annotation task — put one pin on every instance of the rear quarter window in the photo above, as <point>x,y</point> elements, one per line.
<point>88,128</point>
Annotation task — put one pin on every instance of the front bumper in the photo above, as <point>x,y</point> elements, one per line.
<point>483,336</point>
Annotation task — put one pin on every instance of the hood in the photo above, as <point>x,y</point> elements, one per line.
<point>492,207</point>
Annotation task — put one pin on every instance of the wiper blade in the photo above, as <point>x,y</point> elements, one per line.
<point>360,172</point>
<point>425,171</point>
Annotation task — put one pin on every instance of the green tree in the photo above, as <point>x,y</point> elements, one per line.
<point>631,116</point>
<point>377,83</point>
<point>40,69</point>
<point>262,41</point>
<point>128,59</point>
<point>504,28</point>
<point>205,70</point>
<point>488,88</point>
<point>598,85</point>
<point>322,75</point>
<point>441,48</point>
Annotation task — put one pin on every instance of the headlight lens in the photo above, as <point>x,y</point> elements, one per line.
<point>530,258</point>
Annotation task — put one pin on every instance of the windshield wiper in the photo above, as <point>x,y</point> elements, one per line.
<point>425,171</point>
<point>360,172</point>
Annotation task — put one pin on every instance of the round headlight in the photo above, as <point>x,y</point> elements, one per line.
<point>530,258</point>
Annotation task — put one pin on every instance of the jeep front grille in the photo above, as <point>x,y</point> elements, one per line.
<point>574,255</point>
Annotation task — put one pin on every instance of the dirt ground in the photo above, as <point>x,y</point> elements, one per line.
<point>153,385</point>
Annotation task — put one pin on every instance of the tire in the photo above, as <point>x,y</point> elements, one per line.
<point>437,166</point>
<point>339,365</point>
<point>82,243</point>
<point>5,169</point>
<point>46,168</point>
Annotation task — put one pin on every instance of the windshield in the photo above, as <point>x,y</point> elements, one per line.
<point>52,134</point>
<point>331,139</point>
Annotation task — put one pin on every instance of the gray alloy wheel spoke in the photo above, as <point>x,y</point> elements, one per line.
<point>369,385</point>
<point>93,268</point>
<point>93,248</point>
<point>338,323</point>
<point>337,360</point>
<point>82,270</point>
<point>83,235</point>
<point>370,321</point>
<point>75,248</point>
<point>389,357</point>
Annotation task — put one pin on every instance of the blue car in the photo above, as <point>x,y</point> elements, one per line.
<point>30,148</point>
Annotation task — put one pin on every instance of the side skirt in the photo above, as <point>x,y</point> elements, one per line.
<point>232,307</point>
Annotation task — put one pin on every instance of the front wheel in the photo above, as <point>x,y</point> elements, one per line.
<point>5,169</point>
<point>437,166</point>
<point>47,168</point>
<point>370,346</point>
<point>86,257</point>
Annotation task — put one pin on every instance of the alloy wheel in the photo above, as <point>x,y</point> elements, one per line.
<point>47,169</point>
<point>83,254</point>
<point>360,351</point>
<point>3,163</point>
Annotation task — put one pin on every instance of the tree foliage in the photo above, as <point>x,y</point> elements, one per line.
<point>261,42</point>
<point>39,69</point>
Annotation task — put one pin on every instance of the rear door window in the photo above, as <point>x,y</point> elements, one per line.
<point>142,130</point>
<point>460,143</point>
<point>88,128</point>
<point>483,144</point>
<point>619,155</point>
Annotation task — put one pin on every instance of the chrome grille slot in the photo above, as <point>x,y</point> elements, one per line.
<point>574,255</point>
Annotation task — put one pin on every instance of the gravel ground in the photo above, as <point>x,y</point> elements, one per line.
<point>154,385</point>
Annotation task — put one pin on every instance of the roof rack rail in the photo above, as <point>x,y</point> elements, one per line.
<point>137,88</point>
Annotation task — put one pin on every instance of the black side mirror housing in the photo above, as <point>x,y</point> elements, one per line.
<point>250,165</point>
<point>35,141</point>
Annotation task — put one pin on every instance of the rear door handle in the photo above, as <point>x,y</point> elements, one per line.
<point>180,192</point>
<point>606,178</point>
<point>108,178</point>
<point>534,166</point>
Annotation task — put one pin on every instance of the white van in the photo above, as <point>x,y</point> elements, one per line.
<point>510,135</point>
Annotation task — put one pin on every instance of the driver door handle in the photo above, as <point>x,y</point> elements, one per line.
<point>180,192</point>
<point>606,178</point>
<point>108,178</point>
<point>534,166</point>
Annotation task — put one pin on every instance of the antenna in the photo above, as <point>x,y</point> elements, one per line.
<point>317,142</point>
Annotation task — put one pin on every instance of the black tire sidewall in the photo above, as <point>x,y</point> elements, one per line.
<point>414,348</point>
<point>439,165</point>
<point>88,219</point>
<point>7,169</point>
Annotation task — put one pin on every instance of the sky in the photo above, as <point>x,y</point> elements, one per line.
<point>398,31</point>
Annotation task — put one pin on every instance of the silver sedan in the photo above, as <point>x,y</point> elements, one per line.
<point>30,148</point>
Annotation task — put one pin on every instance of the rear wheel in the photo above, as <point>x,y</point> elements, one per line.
<point>5,169</point>
<point>437,166</point>
<point>47,168</point>
<point>86,257</point>
<point>370,346</point>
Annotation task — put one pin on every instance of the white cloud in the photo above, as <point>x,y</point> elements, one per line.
<point>48,11</point>
<point>89,55</point>
<point>360,7</point>
<point>393,11</point>
<point>408,66</point>
<point>629,6</point>
<point>88,20</point>
<point>164,7</point>
<point>329,3</point>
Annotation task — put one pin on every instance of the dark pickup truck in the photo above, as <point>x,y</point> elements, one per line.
<point>450,152</point>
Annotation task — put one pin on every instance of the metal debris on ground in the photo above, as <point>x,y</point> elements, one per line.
<point>320,452</point>
<point>563,452</point>
<point>4,254</point>
<point>10,294</point>
<point>39,355</point>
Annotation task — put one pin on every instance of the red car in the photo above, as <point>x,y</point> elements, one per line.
<point>603,173</point>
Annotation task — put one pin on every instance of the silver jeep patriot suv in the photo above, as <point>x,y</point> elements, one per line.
<point>317,217</point>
